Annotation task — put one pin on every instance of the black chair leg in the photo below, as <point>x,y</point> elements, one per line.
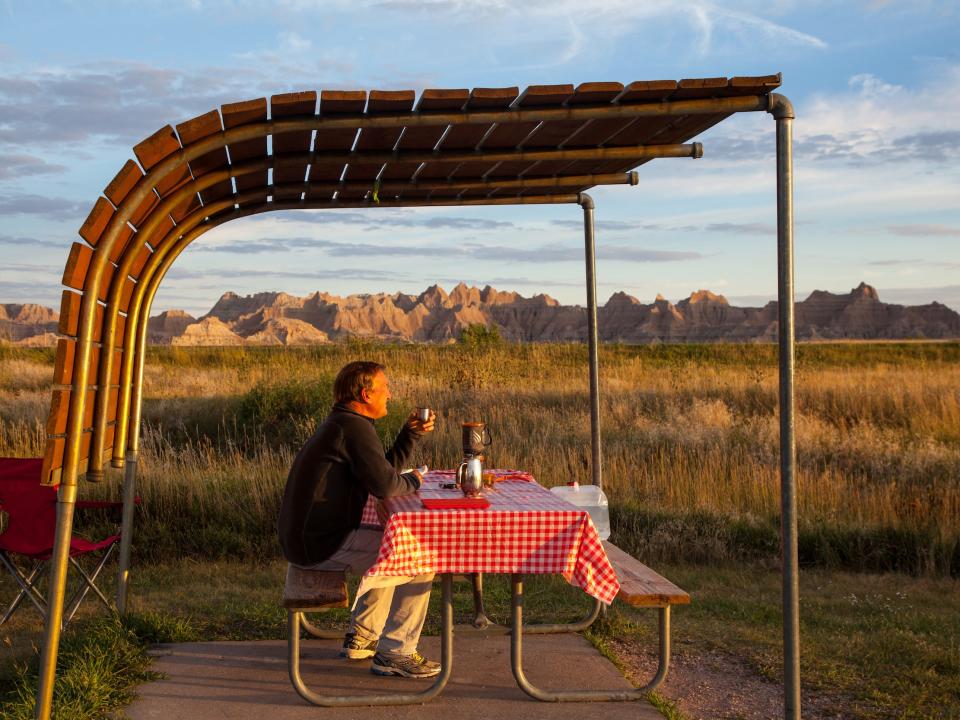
<point>27,587</point>
<point>88,585</point>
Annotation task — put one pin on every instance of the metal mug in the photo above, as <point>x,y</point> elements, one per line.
<point>470,476</point>
<point>475,437</point>
<point>423,414</point>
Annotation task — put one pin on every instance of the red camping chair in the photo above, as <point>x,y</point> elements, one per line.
<point>30,511</point>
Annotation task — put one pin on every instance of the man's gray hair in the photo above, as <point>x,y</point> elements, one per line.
<point>353,378</point>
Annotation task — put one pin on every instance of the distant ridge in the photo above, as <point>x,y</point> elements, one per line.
<point>277,318</point>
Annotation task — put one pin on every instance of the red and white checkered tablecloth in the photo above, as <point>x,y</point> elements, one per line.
<point>527,529</point>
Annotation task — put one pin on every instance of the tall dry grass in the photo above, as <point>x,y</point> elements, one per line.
<point>691,454</point>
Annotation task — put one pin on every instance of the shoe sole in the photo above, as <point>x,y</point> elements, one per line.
<point>384,671</point>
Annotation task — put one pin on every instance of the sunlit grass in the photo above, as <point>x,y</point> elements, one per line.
<point>689,431</point>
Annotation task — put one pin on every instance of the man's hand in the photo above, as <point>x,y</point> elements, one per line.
<point>420,426</point>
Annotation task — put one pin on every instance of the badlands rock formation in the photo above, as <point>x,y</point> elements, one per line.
<point>163,328</point>
<point>21,323</point>
<point>436,316</point>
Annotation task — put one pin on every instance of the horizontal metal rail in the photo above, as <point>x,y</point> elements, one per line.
<point>554,181</point>
<point>640,152</point>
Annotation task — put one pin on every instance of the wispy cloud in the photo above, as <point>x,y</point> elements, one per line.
<point>243,273</point>
<point>53,208</point>
<point>18,166</point>
<point>123,102</point>
<point>504,281</point>
<point>607,17</point>
<point>474,251</point>
<point>627,226</point>
<point>924,230</point>
<point>29,268</point>
<point>397,219</point>
<point>895,262</point>
<point>28,242</point>
<point>22,291</point>
<point>869,123</point>
<point>741,228</point>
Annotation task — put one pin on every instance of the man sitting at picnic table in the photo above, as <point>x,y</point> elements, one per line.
<point>319,522</point>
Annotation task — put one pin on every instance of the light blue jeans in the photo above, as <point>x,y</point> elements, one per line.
<point>390,616</point>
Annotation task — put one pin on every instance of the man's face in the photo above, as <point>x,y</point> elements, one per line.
<point>376,397</point>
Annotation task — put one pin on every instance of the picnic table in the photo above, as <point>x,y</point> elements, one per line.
<point>524,529</point>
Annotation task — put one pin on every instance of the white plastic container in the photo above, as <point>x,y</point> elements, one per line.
<point>591,499</point>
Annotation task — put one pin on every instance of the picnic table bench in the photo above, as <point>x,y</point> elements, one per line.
<point>311,590</point>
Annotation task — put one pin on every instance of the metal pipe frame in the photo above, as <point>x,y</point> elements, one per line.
<point>141,191</point>
<point>631,152</point>
<point>516,661</point>
<point>782,111</point>
<point>317,632</point>
<point>590,260</point>
<point>556,181</point>
<point>126,529</point>
<point>294,621</point>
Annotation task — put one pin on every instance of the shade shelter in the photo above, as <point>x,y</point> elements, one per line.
<point>352,149</point>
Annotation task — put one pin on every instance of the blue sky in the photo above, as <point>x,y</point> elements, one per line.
<point>876,86</point>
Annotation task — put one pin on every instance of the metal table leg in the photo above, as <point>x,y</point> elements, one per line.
<point>516,661</point>
<point>481,620</point>
<point>294,622</point>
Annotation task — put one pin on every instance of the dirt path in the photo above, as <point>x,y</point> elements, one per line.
<point>713,685</point>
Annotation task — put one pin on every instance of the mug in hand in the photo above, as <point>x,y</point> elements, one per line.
<point>423,414</point>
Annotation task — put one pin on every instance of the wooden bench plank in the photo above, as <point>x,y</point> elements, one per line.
<point>639,585</point>
<point>307,590</point>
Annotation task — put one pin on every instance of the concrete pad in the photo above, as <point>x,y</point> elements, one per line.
<point>249,680</point>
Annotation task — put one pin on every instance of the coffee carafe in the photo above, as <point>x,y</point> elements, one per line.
<point>470,476</point>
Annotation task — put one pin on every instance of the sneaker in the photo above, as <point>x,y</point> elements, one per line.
<point>411,666</point>
<point>356,647</point>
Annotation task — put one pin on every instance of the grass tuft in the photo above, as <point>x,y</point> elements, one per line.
<point>100,662</point>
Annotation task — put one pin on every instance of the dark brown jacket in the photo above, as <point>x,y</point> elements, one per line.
<point>330,480</point>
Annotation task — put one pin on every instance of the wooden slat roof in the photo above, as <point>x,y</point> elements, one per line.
<point>453,158</point>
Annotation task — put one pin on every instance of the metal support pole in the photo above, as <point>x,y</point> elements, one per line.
<point>59,564</point>
<point>586,202</point>
<point>126,528</point>
<point>782,111</point>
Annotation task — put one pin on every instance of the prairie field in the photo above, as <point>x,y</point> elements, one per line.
<point>690,465</point>
<point>690,440</point>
